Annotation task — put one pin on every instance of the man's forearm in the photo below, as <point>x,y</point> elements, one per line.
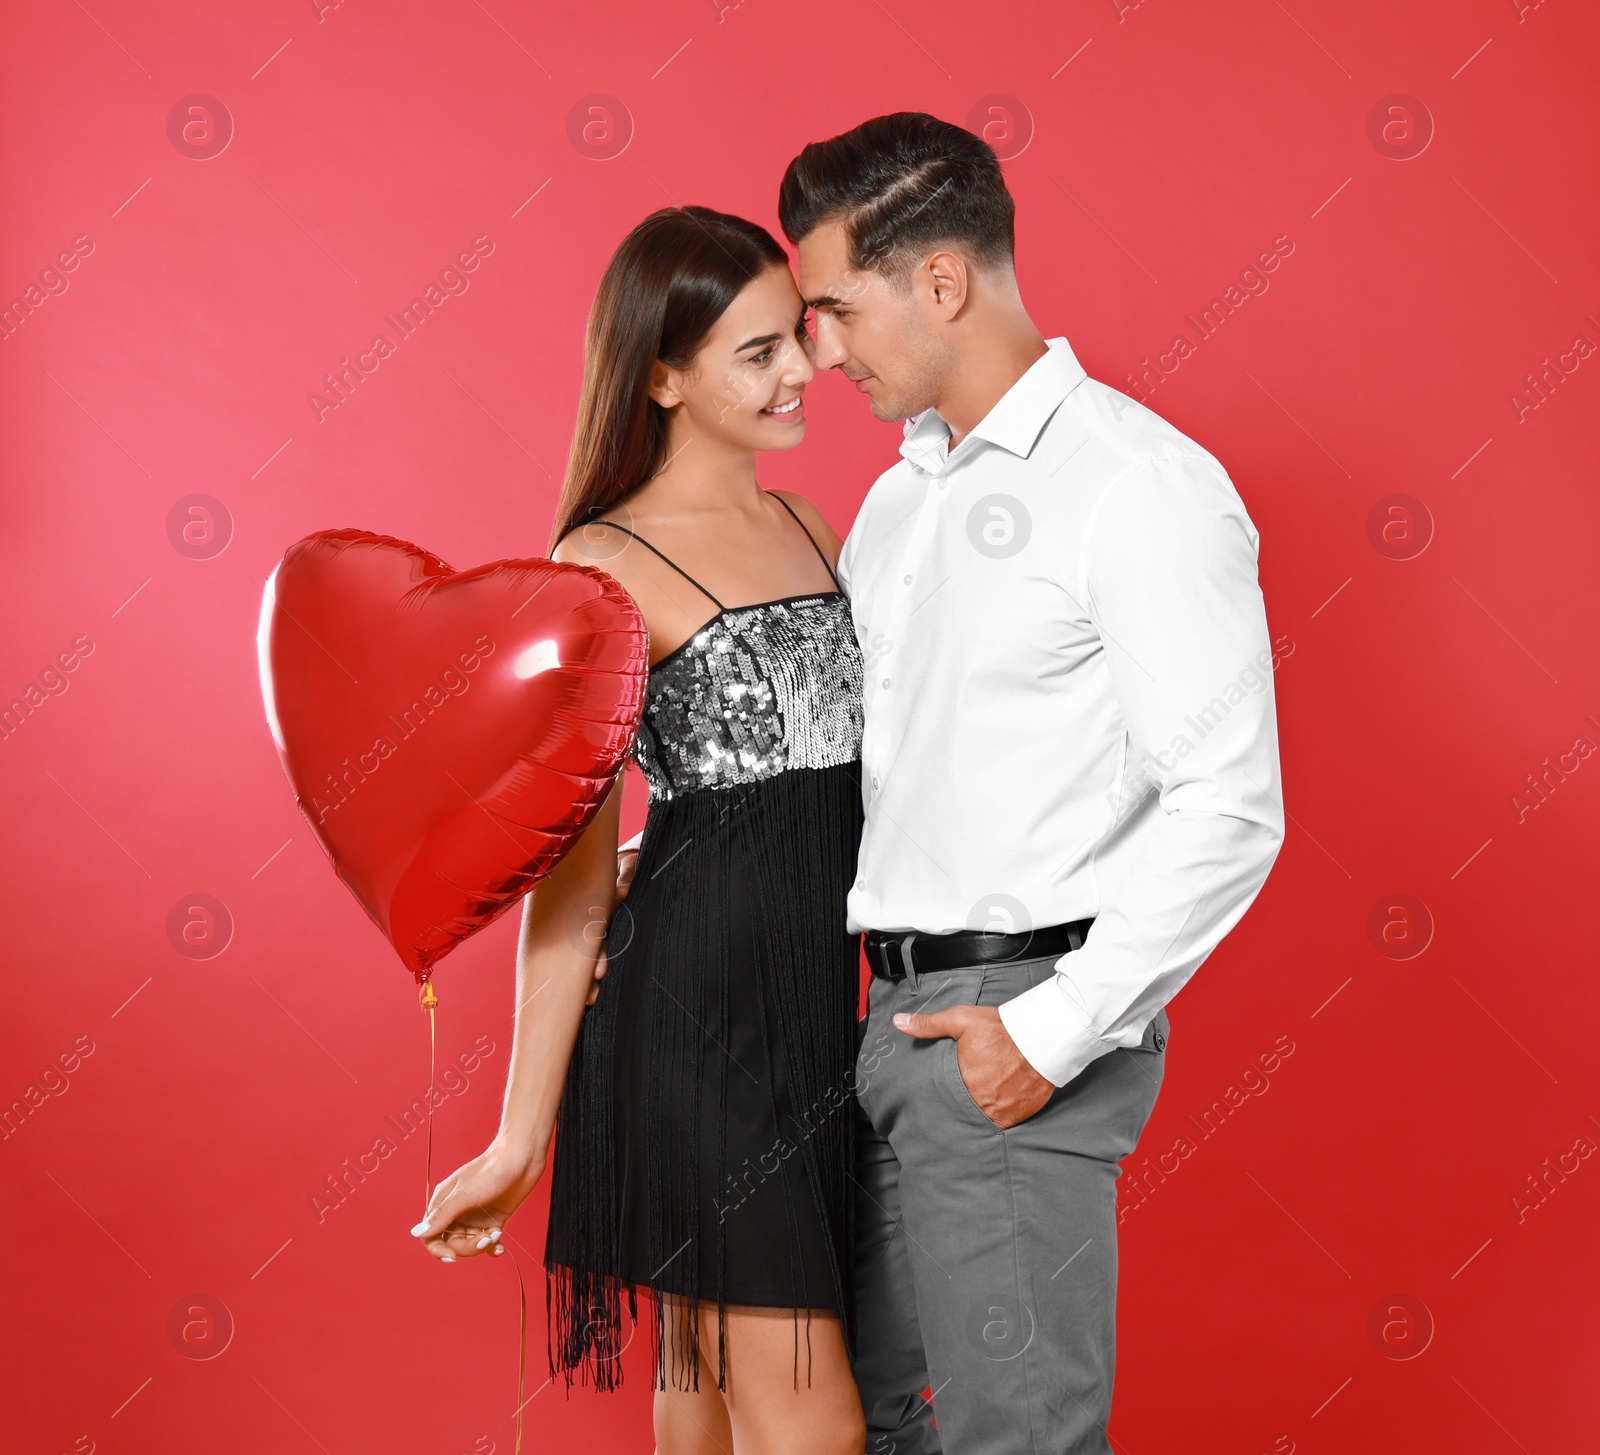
<point>1173,907</point>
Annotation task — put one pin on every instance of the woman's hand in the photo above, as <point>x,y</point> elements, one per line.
<point>469,1208</point>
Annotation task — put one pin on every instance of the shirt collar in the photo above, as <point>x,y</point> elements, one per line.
<point>1015,421</point>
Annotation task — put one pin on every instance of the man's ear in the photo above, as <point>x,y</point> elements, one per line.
<point>664,385</point>
<point>944,275</point>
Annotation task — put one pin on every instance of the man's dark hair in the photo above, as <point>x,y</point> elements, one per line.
<point>900,185</point>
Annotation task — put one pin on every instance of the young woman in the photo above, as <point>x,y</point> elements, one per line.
<point>704,1103</point>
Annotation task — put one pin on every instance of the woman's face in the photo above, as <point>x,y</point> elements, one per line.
<point>745,384</point>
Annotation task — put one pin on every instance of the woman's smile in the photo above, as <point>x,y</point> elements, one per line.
<point>789,413</point>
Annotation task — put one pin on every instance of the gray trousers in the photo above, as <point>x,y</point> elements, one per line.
<point>986,1260</point>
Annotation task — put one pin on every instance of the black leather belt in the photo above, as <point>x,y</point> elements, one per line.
<point>906,956</point>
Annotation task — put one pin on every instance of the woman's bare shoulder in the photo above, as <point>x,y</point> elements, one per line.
<point>602,544</point>
<point>815,522</point>
<point>583,544</point>
<point>596,543</point>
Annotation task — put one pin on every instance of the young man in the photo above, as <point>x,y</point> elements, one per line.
<point>1070,774</point>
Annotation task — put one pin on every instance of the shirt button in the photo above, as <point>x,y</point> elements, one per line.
<point>874,782</point>
<point>908,580</point>
<point>885,681</point>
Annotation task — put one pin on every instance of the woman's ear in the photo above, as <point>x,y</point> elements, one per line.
<point>664,385</point>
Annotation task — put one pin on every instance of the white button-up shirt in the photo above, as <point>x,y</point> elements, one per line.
<point>1069,705</point>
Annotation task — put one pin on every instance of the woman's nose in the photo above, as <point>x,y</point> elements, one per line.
<point>799,368</point>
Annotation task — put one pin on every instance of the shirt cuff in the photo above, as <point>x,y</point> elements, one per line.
<point>1052,1032</point>
<point>632,843</point>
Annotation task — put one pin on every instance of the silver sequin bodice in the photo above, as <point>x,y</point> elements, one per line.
<point>755,692</point>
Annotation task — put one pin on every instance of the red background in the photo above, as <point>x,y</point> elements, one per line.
<point>1169,146</point>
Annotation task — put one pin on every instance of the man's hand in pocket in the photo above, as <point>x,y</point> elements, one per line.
<point>1006,1088</point>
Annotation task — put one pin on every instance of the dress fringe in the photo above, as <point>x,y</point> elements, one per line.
<point>796,836</point>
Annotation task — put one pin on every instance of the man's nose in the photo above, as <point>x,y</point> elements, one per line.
<point>827,350</point>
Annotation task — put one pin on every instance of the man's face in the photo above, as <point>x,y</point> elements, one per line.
<point>876,335</point>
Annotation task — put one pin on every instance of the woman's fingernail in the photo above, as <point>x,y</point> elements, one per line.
<point>484,1241</point>
<point>494,1235</point>
<point>420,1229</point>
<point>497,1250</point>
<point>447,1259</point>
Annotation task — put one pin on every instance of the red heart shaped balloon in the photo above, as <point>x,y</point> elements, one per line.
<point>448,734</point>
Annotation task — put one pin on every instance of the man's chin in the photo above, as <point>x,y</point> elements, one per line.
<point>892,408</point>
<point>884,406</point>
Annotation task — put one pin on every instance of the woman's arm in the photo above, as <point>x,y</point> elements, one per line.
<point>563,934</point>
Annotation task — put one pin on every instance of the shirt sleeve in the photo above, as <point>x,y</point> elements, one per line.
<point>841,567</point>
<point>1168,575</point>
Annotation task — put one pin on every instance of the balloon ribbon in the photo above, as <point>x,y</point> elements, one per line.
<point>429,1002</point>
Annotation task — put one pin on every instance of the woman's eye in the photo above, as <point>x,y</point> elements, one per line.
<point>763,356</point>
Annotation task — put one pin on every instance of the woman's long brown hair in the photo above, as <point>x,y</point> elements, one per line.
<point>662,292</point>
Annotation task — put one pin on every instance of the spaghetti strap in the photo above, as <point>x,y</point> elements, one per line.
<point>646,544</point>
<point>814,546</point>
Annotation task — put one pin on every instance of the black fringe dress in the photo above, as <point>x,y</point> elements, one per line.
<point>704,1142</point>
